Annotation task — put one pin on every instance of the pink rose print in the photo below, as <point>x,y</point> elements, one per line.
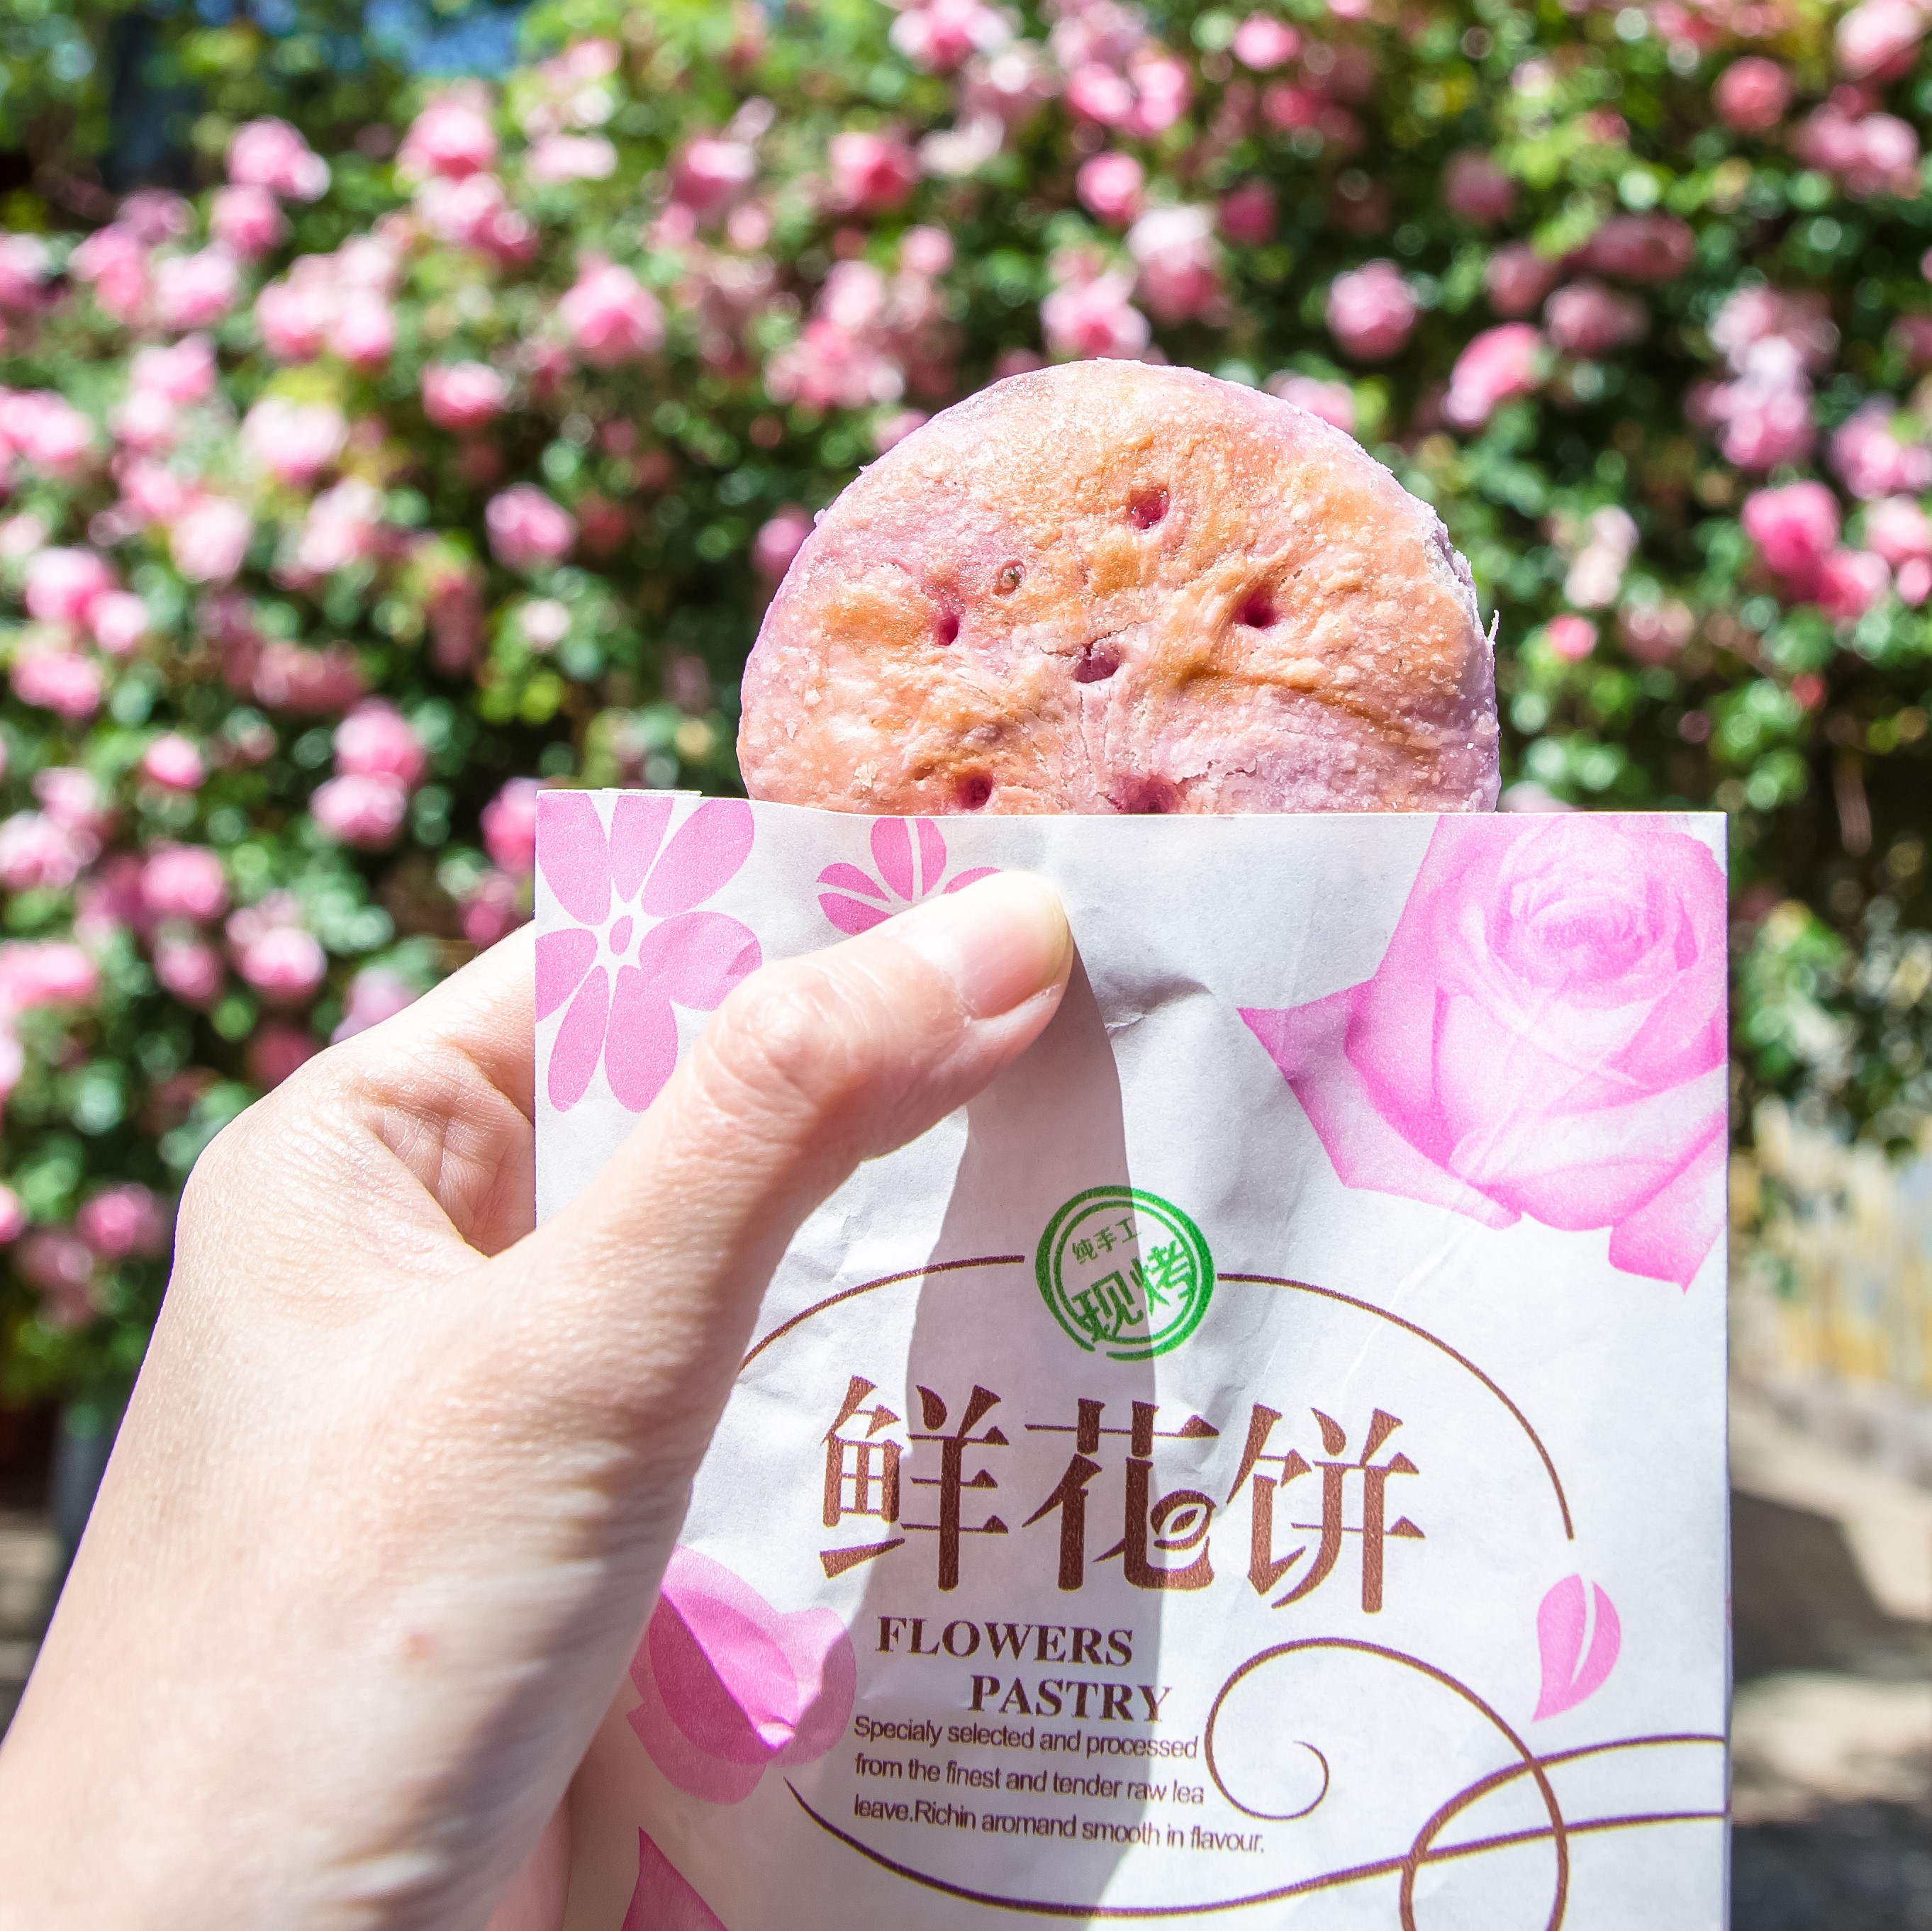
<point>731,1686</point>
<point>663,1901</point>
<point>1572,1668</point>
<point>1545,1035</point>
<point>621,1012</point>
<point>893,853</point>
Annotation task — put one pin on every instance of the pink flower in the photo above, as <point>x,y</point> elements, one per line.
<point>452,137</point>
<point>270,154</point>
<point>1180,265</point>
<point>1372,311</point>
<point>1751,95</point>
<point>45,972</point>
<point>1477,189</point>
<point>375,994</point>
<point>247,222</point>
<point>155,216</point>
<point>730,1687</point>
<point>51,678</point>
<point>527,529</point>
<point>544,623</point>
<point>711,173</point>
<point>1262,42</point>
<point>1499,364</point>
<point>1572,638</point>
<point>364,331</point>
<point>25,267</point>
<point>1794,528</point>
<point>1598,573</point>
<point>1655,633</point>
<point>191,291</point>
<point>125,1221</point>
<point>1095,316</point>
<point>1163,86</point>
<point>182,374</point>
<point>284,964</point>
<point>1898,530</point>
<point>1869,154</point>
<point>609,317</point>
<point>1876,40</point>
<point>343,526</point>
<point>59,1266</point>
<point>190,969</point>
<point>294,319</point>
<point>491,908</point>
<point>908,873</point>
<point>1766,414</point>
<point>1915,581</point>
<point>365,812</point>
<point>1849,583</point>
<point>621,1013</point>
<point>63,585</point>
<point>46,431</point>
<point>12,1214</point>
<point>277,1051</point>
<point>1573,1670</point>
<point>1334,403</point>
<point>37,852</point>
<point>316,683</point>
<point>1109,187</point>
<point>926,251</point>
<point>295,442</point>
<point>114,261</point>
<point>939,34</point>
<point>118,622</point>
<point>871,174</point>
<point>73,798</point>
<point>510,826</point>
<point>1872,460</point>
<point>211,538</point>
<point>1587,318</point>
<point>779,540</point>
<point>1247,214</point>
<point>147,424</point>
<point>376,740</point>
<point>184,882</point>
<point>1640,248</point>
<point>1589,960</point>
<point>463,397</point>
<point>558,158</point>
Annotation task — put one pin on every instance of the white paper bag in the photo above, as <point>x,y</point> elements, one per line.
<point>1265,1457</point>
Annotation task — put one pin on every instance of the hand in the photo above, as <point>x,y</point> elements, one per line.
<point>400,1476</point>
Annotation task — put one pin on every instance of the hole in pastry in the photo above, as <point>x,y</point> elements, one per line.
<point>1257,612</point>
<point>945,629</point>
<point>1139,796</point>
<point>971,792</point>
<point>1146,509</point>
<point>1008,580</point>
<point>1097,662</point>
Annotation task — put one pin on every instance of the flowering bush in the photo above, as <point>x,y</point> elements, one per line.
<point>399,472</point>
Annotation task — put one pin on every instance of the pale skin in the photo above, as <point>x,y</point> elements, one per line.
<point>392,1498</point>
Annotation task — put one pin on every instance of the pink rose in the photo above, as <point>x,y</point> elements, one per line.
<point>376,740</point>
<point>490,908</point>
<point>1849,583</point>
<point>1873,460</point>
<point>315,683</point>
<point>12,1214</point>
<point>122,1221</point>
<point>210,539</point>
<point>184,882</point>
<point>247,222</point>
<point>1587,318</point>
<point>1095,316</point>
<point>1641,247</point>
<point>284,964</point>
<point>1477,189</point>
<point>73,798</point>
<point>463,397</point>
<point>191,291</point>
<point>174,763</point>
<point>1794,528</point>
<point>59,1266</point>
<point>779,540</point>
<point>1751,95</point>
<point>375,994</point>
<point>939,35</point>
<point>527,529</point>
<point>926,251</point>
<point>114,261</point>
<point>276,1050</point>
<point>1247,214</point>
<point>1179,264</point>
<point>45,972</point>
<point>295,442</point>
<point>46,431</point>
<point>270,154</point>
<point>182,374</point>
<point>712,172</point>
<point>510,826</point>
<point>452,137</point>
<point>342,528</point>
<point>1499,364</point>
<point>1371,311</point>
<point>60,681</point>
<point>1334,403</point>
<point>189,969</point>
<point>365,812</point>
<point>63,586</point>
<point>1585,958</point>
<point>294,318</point>
<point>26,267</point>
<point>117,622</point>
<point>871,174</point>
<point>37,851</point>
<point>559,158</point>
<point>610,317</point>
<point>364,331</point>
<point>1898,530</point>
<point>1572,638</point>
<point>1517,278</point>
<point>1109,187</point>
<point>1876,40</point>
<point>1262,42</point>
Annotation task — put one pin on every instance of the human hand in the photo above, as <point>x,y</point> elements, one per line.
<point>393,1495</point>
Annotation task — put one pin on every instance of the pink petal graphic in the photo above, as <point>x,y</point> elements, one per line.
<point>705,851</point>
<point>741,1684</point>
<point>849,878</point>
<point>932,855</point>
<point>562,959</point>
<point>636,829</point>
<point>1569,1674</point>
<point>642,1047</point>
<point>695,959</point>
<point>972,877</point>
<point>574,854</point>
<point>849,916</point>
<point>580,1040</point>
<point>891,853</point>
<point>663,1901</point>
<point>1667,1238</point>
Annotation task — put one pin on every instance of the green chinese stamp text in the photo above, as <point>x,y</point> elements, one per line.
<point>1126,1274</point>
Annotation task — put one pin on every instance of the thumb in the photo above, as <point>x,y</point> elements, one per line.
<point>640,1294</point>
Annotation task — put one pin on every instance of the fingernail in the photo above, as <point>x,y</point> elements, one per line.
<point>999,941</point>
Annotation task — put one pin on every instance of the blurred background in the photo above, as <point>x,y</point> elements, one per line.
<point>404,405</point>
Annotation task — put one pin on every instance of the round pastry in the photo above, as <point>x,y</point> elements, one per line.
<point>1110,587</point>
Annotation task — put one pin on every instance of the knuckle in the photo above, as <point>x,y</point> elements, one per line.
<point>793,1040</point>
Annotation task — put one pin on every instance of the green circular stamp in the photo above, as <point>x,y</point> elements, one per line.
<point>1126,1274</point>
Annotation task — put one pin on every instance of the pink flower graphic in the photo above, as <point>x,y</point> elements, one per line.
<point>664,1900</point>
<point>1573,1668</point>
<point>621,1012</point>
<point>732,1686</point>
<point>1545,1035</point>
<point>893,853</point>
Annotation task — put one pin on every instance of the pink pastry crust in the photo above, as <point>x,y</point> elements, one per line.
<point>1108,587</point>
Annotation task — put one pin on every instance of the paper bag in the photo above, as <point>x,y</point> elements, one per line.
<point>1263,1460</point>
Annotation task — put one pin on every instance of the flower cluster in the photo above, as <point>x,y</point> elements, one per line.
<point>348,502</point>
